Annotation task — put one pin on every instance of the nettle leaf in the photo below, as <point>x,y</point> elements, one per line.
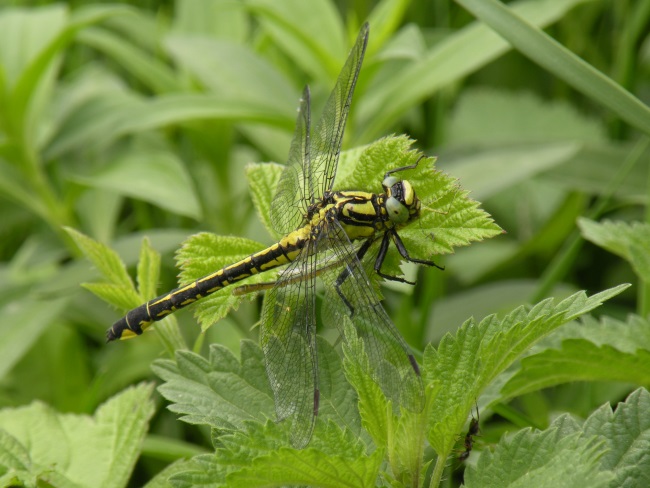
<point>225,393</point>
<point>626,433</point>
<point>579,360</point>
<point>258,456</point>
<point>203,254</point>
<point>46,445</point>
<point>465,364</point>
<point>556,457</point>
<point>401,435</point>
<point>629,241</point>
<point>103,257</point>
<point>233,397</point>
<point>148,270</point>
<point>119,289</point>
<point>263,179</point>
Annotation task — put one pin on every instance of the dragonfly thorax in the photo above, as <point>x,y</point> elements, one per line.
<point>401,202</point>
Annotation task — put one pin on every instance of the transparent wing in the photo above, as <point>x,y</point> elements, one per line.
<point>288,339</point>
<point>311,166</point>
<point>327,136</point>
<point>350,296</point>
<point>289,204</point>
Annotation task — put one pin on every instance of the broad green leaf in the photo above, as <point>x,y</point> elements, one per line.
<point>226,393</point>
<point>489,172</point>
<point>457,56</point>
<point>592,171</point>
<point>153,73</point>
<point>465,364</point>
<point>625,432</point>
<point>557,457</point>
<point>89,451</point>
<point>626,336</point>
<point>13,454</point>
<point>311,33</point>
<point>548,53</point>
<point>104,119</point>
<point>24,33</point>
<point>156,177</point>
<point>385,19</point>
<point>579,360</point>
<point>257,457</point>
<point>234,72</point>
<point>310,467</point>
<point>222,19</point>
<point>376,413</point>
<point>23,322</point>
<point>491,117</point>
<point>631,241</point>
<point>40,68</point>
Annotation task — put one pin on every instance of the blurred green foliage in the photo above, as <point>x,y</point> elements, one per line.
<point>137,119</point>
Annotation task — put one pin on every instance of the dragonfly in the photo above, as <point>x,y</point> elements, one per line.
<point>327,234</point>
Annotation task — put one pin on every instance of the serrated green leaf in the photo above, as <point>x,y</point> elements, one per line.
<point>263,180</point>
<point>104,258</point>
<point>249,458</point>
<point>556,457</point>
<point>122,297</point>
<point>203,254</point>
<point>626,336</point>
<point>626,433</point>
<point>13,455</point>
<point>579,360</point>
<point>376,413</point>
<point>225,393</point>
<point>309,467</point>
<point>464,365</point>
<point>89,451</point>
<point>148,270</point>
<point>629,241</point>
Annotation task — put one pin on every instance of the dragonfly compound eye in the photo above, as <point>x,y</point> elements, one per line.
<point>397,212</point>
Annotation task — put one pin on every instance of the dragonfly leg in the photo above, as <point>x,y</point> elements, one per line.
<point>383,249</point>
<point>346,273</point>
<point>404,253</point>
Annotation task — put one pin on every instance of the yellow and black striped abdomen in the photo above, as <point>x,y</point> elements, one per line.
<point>279,254</point>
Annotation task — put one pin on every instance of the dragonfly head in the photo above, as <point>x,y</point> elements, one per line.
<point>402,204</point>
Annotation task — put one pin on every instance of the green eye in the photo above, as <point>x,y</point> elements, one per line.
<point>389,182</point>
<point>397,212</point>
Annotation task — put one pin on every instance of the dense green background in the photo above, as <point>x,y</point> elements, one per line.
<point>135,120</point>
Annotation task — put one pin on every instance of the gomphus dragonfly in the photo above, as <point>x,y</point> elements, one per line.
<point>321,227</point>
